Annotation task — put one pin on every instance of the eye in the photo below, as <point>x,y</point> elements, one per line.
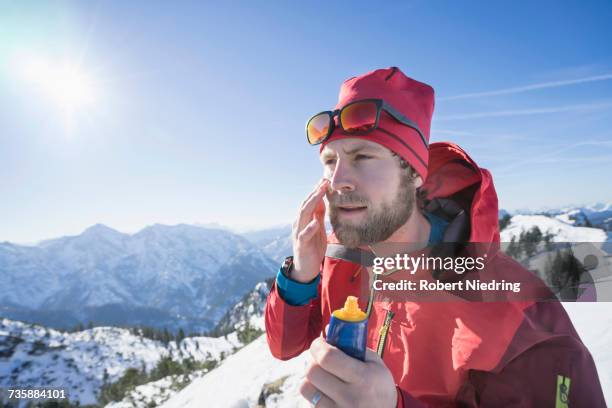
<point>329,162</point>
<point>362,157</point>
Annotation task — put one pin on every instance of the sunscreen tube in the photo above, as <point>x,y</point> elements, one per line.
<point>348,329</point>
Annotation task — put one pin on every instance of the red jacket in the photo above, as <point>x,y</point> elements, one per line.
<point>520,353</point>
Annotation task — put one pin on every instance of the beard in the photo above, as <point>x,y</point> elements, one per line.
<point>380,223</point>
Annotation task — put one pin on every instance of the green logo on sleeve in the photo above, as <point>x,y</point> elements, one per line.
<point>563,388</point>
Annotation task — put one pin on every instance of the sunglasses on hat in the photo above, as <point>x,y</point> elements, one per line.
<point>356,118</point>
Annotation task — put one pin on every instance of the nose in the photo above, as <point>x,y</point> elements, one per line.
<point>342,177</point>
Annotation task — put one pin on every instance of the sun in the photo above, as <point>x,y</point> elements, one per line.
<point>66,85</point>
<point>63,82</point>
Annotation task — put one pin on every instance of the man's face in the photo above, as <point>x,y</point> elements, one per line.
<point>371,195</point>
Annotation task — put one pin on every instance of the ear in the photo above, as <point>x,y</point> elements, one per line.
<point>418,181</point>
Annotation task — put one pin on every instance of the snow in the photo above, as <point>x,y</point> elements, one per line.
<point>565,217</point>
<point>239,380</point>
<point>599,207</point>
<point>78,361</point>
<point>589,209</point>
<point>249,311</point>
<point>563,232</point>
<point>154,393</point>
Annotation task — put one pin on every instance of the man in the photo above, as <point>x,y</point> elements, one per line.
<point>386,184</point>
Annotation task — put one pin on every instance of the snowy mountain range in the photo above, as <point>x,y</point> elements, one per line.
<point>274,242</point>
<point>562,229</point>
<point>597,215</point>
<point>163,276</point>
<point>82,362</point>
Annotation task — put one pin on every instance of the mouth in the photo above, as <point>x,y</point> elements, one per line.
<point>351,209</point>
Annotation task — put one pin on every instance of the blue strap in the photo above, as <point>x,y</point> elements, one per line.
<point>297,293</point>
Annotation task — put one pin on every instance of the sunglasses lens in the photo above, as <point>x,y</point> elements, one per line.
<point>318,128</point>
<point>359,117</point>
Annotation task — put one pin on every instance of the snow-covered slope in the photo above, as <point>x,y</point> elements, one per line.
<point>246,314</point>
<point>245,377</point>
<point>82,361</point>
<point>597,215</point>
<point>249,311</point>
<point>163,276</point>
<point>155,393</point>
<point>562,231</point>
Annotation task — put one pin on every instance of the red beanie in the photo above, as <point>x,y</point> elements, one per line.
<point>412,98</point>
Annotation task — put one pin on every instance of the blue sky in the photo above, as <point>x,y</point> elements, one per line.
<point>196,110</point>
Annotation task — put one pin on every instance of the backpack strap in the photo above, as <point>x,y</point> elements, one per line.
<point>353,255</point>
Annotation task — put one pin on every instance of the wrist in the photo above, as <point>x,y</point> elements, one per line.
<point>302,277</point>
<point>290,270</point>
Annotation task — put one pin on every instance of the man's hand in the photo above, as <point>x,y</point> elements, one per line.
<point>344,381</point>
<point>308,235</point>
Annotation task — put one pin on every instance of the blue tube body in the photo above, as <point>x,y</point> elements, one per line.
<point>349,337</point>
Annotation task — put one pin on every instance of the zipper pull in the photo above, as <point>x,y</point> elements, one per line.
<point>384,330</point>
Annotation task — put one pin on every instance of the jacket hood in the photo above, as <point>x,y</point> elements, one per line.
<point>453,175</point>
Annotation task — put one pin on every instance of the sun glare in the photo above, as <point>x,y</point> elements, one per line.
<point>66,85</point>
<point>63,82</point>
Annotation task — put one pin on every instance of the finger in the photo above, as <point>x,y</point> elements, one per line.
<point>327,383</point>
<point>306,216</point>
<point>320,209</point>
<point>314,191</point>
<point>309,231</point>
<point>336,362</point>
<point>321,218</point>
<point>308,391</point>
<point>296,224</point>
<point>308,207</point>
<point>311,203</point>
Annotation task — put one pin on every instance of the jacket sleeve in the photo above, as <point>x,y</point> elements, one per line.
<point>559,372</point>
<point>290,329</point>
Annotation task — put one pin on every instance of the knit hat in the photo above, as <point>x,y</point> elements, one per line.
<point>412,98</point>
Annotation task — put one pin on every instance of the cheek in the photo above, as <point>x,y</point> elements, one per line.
<point>376,180</point>
<point>379,187</point>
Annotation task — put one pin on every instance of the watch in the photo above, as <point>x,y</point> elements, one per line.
<point>287,266</point>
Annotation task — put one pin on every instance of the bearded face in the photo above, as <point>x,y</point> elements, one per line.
<point>360,220</point>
